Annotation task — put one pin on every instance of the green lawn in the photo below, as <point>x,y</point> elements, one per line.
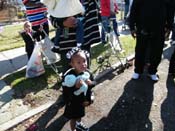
<point>10,39</point>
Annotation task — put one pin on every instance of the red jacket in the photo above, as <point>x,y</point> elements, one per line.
<point>105,7</point>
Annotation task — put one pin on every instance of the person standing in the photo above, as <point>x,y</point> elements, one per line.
<point>72,8</point>
<point>148,22</point>
<point>91,32</point>
<point>29,36</point>
<point>37,15</point>
<point>109,8</point>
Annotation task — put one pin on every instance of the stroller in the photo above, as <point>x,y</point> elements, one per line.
<point>116,50</point>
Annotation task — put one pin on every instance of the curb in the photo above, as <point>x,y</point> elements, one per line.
<point>24,116</point>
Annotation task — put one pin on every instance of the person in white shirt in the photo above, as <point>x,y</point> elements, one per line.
<point>63,9</point>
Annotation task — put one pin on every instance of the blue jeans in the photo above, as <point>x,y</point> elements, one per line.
<point>106,26</point>
<point>126,10</point>
<point>79,33</point>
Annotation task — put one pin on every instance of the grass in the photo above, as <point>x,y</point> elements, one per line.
<point>10,37</point>
<point>50,80</point>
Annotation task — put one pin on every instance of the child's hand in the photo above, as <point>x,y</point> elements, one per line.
<point>88,82</point>
<point>70,22</point>
<point>78,83</point>
<point>41,28</point>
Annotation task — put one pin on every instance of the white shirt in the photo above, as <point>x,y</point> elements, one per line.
<point>64,8</point>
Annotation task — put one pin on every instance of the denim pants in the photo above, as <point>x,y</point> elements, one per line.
<point>106,26</point>
<point>64,31</point>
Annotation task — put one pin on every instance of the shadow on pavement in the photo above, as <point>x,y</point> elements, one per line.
<point>42,123</point>
<point>131,111</point>
<point>167,107</point>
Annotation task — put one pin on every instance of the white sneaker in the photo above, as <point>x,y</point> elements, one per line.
<point>135,76</point>
<point>154,77</point>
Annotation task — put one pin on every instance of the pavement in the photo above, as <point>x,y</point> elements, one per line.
<point>12,60</point>
<point>13,111</point>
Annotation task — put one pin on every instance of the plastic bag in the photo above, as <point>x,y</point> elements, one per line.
<point>35,65</point>
<point>50,56</point>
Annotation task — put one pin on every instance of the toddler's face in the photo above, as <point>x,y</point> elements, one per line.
<point>28,27</point>
<point>79,62</point>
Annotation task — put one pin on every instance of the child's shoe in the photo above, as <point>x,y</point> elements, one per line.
<point>92,97</point>
<point>81,126</point>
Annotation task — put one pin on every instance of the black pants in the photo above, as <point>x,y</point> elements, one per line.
<point>42,35</point>
<point>155,44</point>
<point>65,63</point>
<point>172,63</point>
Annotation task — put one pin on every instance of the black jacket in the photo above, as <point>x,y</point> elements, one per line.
<point>29,40</point>
<point>151,15</point>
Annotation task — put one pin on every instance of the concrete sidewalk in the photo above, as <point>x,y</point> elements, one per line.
<point>12,60</point>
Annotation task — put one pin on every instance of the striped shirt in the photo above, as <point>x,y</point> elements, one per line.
<point>91,28</point>
<point>37,15</point>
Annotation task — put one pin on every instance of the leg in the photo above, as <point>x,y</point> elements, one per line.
<point>29,55</point>
<point>156,50</point>
<point>64,61</point>
<point>115,25</point>
<point>79,31</point>
<point>56,47</point>
<point>172,63</point>
<point>105,28</point>
<point>140,51</point>
<point>73,123</point>
<point>35,28</point>
<point>46,29</point>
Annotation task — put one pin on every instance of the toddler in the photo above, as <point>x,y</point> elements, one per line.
<point>29,36</point>
<point>76,103</point>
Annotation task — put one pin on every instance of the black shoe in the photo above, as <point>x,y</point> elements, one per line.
<point>118,34</point>
<point>80,126</point>
<point>55,50</point>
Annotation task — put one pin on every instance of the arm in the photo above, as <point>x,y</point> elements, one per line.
<point>91,82</point>
<point>63,22</point>
<point>116,9</point>
<point>132,18</point>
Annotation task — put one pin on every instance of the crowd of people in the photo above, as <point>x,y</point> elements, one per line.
<point>77,29</point>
